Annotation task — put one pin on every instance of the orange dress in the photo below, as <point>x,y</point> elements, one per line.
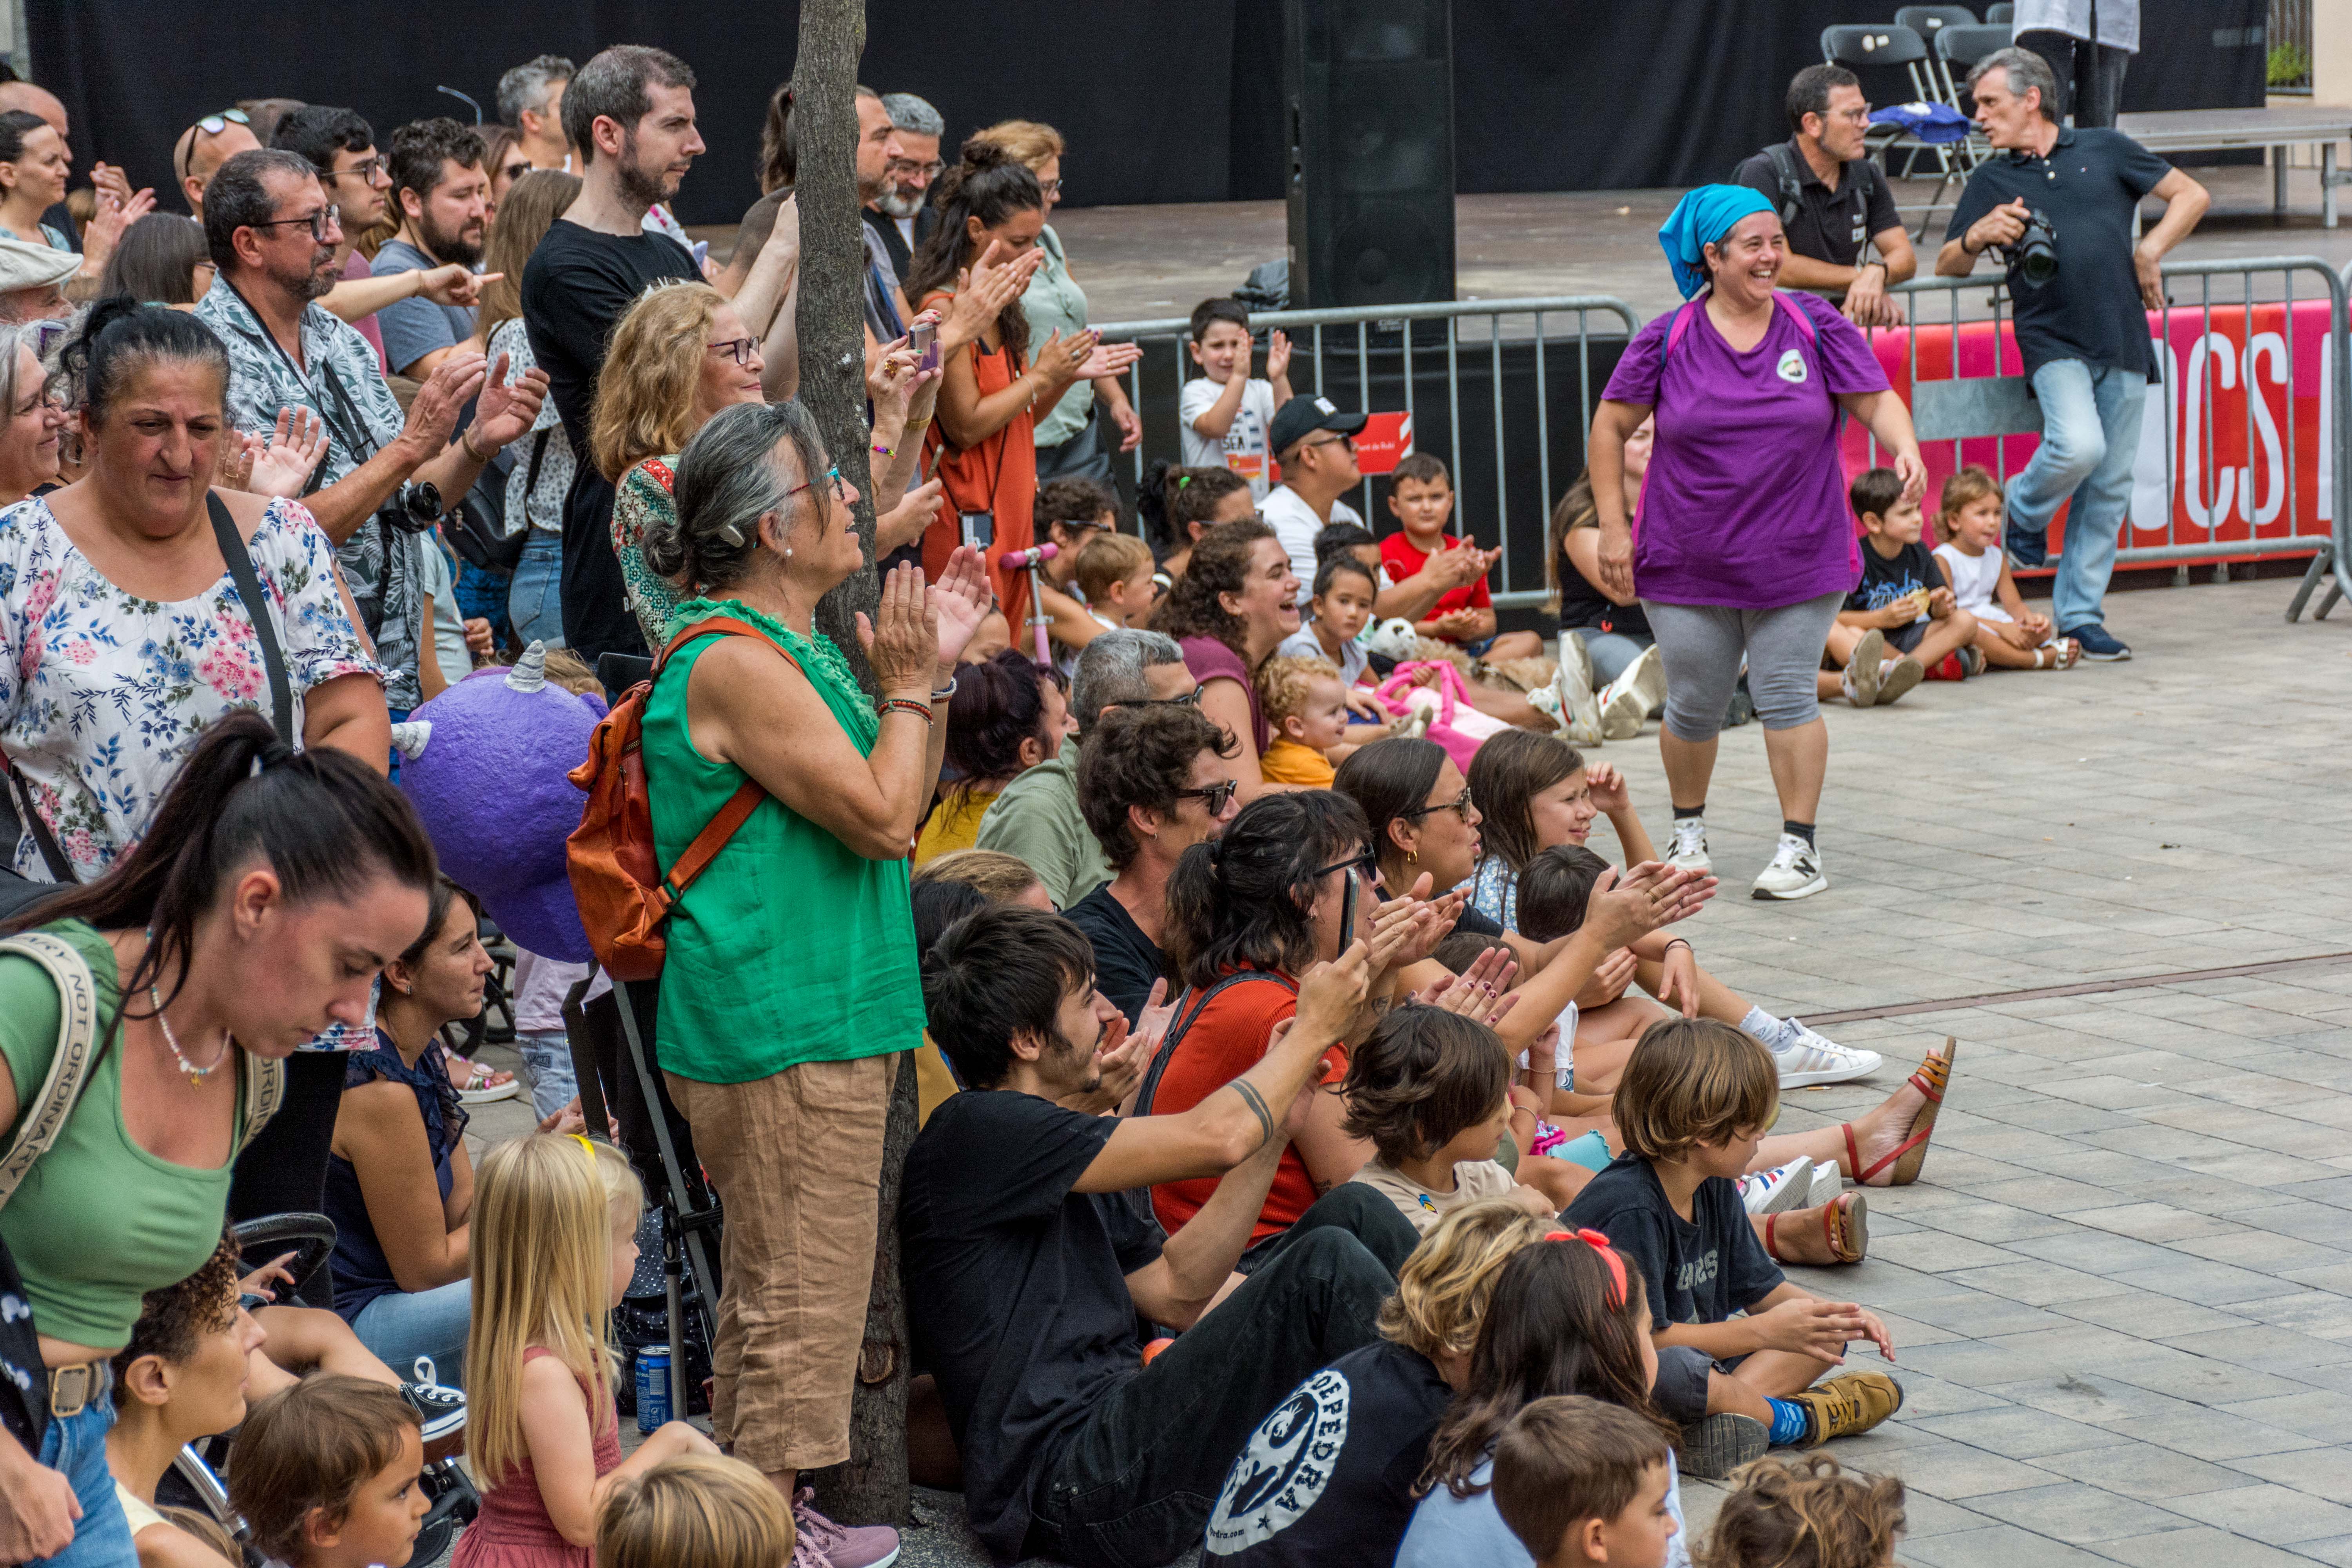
<point>999,476</point>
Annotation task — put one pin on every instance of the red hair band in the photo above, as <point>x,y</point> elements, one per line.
<point>1600,1244</point>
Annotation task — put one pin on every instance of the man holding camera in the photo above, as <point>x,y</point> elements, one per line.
<point>2060,207</point>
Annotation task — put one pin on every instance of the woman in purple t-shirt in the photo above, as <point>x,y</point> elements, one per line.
<point>1229,612</point>
<point>1744,546</point>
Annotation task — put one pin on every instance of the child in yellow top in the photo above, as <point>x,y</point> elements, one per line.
<point>1306,707</point>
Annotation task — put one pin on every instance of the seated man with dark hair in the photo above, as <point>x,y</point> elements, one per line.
<point>1028,1262</point>
<point>1833,203</point>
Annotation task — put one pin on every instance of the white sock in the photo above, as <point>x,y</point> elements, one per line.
<point>1774,1032</point>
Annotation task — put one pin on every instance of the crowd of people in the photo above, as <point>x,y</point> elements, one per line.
<point>1325,1154</point>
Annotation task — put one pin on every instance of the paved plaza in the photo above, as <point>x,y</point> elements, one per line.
<point>2122,1292</point>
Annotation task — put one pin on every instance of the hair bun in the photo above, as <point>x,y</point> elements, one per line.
<point>979,152</point>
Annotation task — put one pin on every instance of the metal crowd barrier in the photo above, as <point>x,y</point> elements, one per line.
<point>1381,358</point>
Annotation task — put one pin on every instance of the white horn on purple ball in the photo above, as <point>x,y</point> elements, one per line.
<point>529,673</point>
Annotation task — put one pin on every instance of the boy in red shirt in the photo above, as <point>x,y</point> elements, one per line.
<point>1421,498</point>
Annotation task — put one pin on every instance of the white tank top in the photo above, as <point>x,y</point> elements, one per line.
<point>1974,577</point>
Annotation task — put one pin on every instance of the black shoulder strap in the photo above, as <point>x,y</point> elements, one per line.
<point>1793,188</point>
<point>256,606</point>
<point>1189,1008</point>
<point>53,855</point>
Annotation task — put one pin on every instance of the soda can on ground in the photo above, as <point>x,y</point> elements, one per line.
<point>653,1387</point>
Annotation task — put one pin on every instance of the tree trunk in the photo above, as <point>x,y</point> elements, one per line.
<point>871,1487</point>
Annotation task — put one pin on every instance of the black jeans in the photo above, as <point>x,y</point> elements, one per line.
<point>283,1169</point>
<point>1133,1487</point>
<point>2090,76</point>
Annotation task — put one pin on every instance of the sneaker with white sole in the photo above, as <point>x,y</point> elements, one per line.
<point>1688,851</point>
<point>1621,712</point>
<point>1578,714</point>
<point>1646,679</point>
<point>842,1545</point>
<point>1779,1190</point>
<point>1795,873</point>
<point>1813,1059</point>
<point>1828,1183</point>
<point>440,1408</point>
<point>1860,681</point>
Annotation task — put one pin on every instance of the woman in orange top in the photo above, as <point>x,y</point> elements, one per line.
<point>997,386</point>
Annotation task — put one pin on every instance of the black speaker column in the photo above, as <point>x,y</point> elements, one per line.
<point>1367,99</point>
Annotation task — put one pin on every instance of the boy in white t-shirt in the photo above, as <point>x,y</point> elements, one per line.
<point>1225,412</point>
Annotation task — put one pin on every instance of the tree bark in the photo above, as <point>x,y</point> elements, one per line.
<point>872,1487</point>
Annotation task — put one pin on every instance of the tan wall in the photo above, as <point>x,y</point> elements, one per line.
<point>2331,51</point>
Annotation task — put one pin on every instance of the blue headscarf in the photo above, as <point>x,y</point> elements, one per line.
<point>1700,219</point>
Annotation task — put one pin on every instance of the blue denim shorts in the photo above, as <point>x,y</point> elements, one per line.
<point>75,1446</point>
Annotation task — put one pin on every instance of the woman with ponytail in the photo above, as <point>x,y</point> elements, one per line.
<point>997,384</point>
<point>268,888</point>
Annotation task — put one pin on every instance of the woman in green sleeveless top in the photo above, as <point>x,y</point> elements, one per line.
<point>268,890</point>
<point>791,982</point>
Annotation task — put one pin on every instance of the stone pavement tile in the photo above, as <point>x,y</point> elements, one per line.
<point>1999,1546</point>
<point>1934,1252</point>
<point>2214,1284</point>
<point>1924,1516</point>
<point>2145,1313</point>
<point>2277,1515</point>
<point>2050,1194</point>
<point>2152,1221</point>
<point>2037,1284</point>
<point>2266,1349</point>
<point>2218,1435</point>
<point>2335,1549</point>
<point>2075,1512</point>
<point>1976,1315</point>
<point>2323,1472</point>
<point>1959,1473</point>
<point>2096,1253</point>
<point>2017,1431</point>
<point>2194,1378</point>
<point>2198,1547</point>
<point>2272,1251</point>
<point>2136,1469</point>
<point>2090,1398</point>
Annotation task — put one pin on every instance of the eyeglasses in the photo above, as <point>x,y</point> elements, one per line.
<point>1214,797</point>
<point>904,166</point>
<point>1189,700</point>
<point>366,169</point>
<point>840,490</point>
<point>1051,187</point>
<point>1366,865</point>
<point>1459,805</point>
<point>517,170</point>
<point>320,222</point>
<point>740,349</point>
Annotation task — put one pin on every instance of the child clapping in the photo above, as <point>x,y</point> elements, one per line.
<point>1975,569</point>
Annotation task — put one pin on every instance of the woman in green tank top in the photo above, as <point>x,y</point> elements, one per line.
<point>790,981</point>
<point>269,889</point>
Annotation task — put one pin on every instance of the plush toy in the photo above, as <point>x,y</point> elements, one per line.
<point>483,763</point>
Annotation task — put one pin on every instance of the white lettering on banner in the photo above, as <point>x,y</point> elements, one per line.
<point>2208,509</point>
<point>2272,347</point>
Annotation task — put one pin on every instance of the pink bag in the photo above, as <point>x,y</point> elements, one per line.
<point>1454,723</point>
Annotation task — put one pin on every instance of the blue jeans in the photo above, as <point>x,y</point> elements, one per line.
<point>399,1326</point>
<point>535,598</point>
<point>75,1446</point>
<point>1610,652</point>
<point>547,1053</point>
<point>2090,434</point>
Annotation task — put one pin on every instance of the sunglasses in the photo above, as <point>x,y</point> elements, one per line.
<point>1459,805</point>
<point>1189,700</point>
<point>1214,797</point>
<point>740,349</point>
<point>1347,441</point>
<point>213,124</point>
<point>1366,865</point>
<point>320,222</point>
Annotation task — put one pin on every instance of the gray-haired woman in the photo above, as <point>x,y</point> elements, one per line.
<point>790,984</point>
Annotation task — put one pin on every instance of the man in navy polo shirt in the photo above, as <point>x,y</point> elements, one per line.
<point>2081,330</point>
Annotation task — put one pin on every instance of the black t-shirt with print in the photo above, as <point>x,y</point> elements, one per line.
<point>1326,1481</point>
<point>1016,1288</point>
<point>1886,578</point>
<point>1699,1270</point>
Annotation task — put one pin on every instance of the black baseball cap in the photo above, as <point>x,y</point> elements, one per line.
<point>1302,416</point>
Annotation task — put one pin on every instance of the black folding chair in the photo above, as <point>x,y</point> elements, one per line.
<point>1929,22</point>
<point>2000,14</point>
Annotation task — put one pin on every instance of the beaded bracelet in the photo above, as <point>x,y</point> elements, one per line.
<point>881,451</point>
<point>908,705</point>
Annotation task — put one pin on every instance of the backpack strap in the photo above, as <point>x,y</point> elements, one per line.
<point>1683,320</point>
<point>697,856</point>
<point>70,1065</point>
<point>1788,302</point>
<point>265,1091</point>
<point>1189,1008</point>
<point>1792,186</point>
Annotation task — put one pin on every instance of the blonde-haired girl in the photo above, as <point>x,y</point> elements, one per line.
<point>555,1243</point>
<point>697,1510</point>
<point>1329,1475</point>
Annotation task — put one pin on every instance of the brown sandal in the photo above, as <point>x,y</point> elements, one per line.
<point>1845,1226</point>
<point>1935,1075</point>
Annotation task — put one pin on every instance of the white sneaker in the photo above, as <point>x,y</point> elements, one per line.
<point>1828,1183</point>
<point>1646,679</point>
<point>1621,712</point>
<point>1861,681</point>
<point>1813,1059</point>
<point>1778,1191</point>
<point>1578,714</point>
<point>1572,643</point>
<point>1795,873</point>
<point>1688,851</point>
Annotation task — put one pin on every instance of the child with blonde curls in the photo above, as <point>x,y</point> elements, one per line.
<point>554,1244</point>
<point>1806,1513</point>
<point>1327,1479</point>
<point>1976,568</point>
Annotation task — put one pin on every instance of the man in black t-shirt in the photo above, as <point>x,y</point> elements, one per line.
<point>630,115</point>
<point>2061,204</point>
<point>1833,200</point>
<point>1028,1260</point>
<point>1152,783</point>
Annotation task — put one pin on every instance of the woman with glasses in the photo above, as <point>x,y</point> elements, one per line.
<point>1006,717</point>
<point>790,984</point>
<point>34,431</point>
<point>543,465</point>
<point>1069,439</point>
<point>1417,803</point>
<point>1229,612</point>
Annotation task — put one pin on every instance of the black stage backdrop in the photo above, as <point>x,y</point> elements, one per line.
<point>1159,102</point>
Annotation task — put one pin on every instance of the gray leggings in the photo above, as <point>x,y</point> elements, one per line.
<point>1701,645</point>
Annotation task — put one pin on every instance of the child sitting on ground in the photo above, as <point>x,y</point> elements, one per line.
<point>326,1473</point>
<point>1900,604</point>
<point>1114,572</point>
<point>1808,1513</point>
<point>1738,1346</point>
<point>1975,569</point>
<point>555,1243</point>
<point>1582,1482</point>
<point>1223,412</point>
<point>1306,706</point>
<point>1421,498</point>
<point>695,1511</point>
<point>1431,1090</point>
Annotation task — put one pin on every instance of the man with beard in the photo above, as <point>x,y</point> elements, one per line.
<point>630,116</point>
<point>442,194</point>
<point>273,236</point>
<point>902,216</point>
